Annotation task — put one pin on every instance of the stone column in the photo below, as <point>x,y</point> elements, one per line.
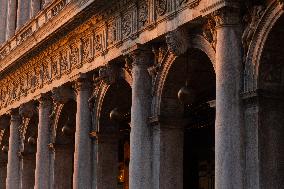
<point>82,156</point>
<point>23,12</point>
<point>141,132</point>
<point>168,137</point>
<point>11,18</point>
<point>229,157</point>
<point>13,167</point>
<point>3,15</point>
<point>107,161</point>
<point>35,7</point>
<point>42,173</point>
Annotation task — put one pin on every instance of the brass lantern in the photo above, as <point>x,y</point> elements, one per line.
<point>187,94</point>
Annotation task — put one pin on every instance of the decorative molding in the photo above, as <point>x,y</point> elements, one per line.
<point>177,41</point>
<point>252,60</point>
<point>63,94</point>
<point>251,19</point>
<point>73,52</point>
<point>227,16</point>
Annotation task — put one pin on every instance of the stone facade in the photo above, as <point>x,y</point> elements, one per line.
<point>141,94</point>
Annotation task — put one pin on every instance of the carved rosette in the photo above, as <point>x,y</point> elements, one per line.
<point>177,41</point>
<point>227,16</point>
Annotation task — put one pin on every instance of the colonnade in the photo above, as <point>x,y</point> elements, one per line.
<point>15,13</point>
<point>229,157</point>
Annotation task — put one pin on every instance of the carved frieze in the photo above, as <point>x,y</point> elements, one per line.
<point>93,38</point>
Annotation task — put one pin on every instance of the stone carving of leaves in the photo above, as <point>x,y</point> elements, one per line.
<point>111,33</point>
<point>143,14</point>
<point>74,55</point>
<point>98,43</point>
<point>126,25</point>
<point>63,61</point>
<point>86,49</point>
<point>161,7</point>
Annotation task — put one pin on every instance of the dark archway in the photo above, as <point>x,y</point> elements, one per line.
<point>113,135</point>
<point>271,112</point>
<point>4,147</point>
<point>187,122</point>
<point>64,146</point>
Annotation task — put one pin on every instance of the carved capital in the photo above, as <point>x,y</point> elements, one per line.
<point>141,56</point>
<point>62,94</point>
<point>109,73</point>
<point>227,16</point>
<point>82,83</point>
<point>14,113</point>
<point>27,110</point>
<point>45,100</point>
<point>177,41</point>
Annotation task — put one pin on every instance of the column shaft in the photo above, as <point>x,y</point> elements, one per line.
<point>168,156</point>
<point>11,18</point>
<point>228,128</point>
<point>23,12</point>
<point>107,162</point>
<point>42,172</point>
<point>141,133</point>
<point>3,20</point>
<point>28,171</point>
<point>82,156</point>
<point>13,167</point>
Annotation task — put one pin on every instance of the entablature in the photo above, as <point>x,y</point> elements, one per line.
<point>101,38</point>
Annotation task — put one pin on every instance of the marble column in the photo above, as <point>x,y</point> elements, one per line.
<point>42,173</point>
<point>141,133</point>
<point>82,156</point>
<point>23,12</point>
<point>28,171</point>
<point>168,137</point>
<point>107,161</point>
<point>13,167</point>
<point>3,15</point>
<point>11,18</point>
<point>35,7</point>
<point>229,156</point>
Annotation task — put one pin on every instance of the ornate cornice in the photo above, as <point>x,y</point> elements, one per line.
<point>55,15</point>
<point>100,39</point>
